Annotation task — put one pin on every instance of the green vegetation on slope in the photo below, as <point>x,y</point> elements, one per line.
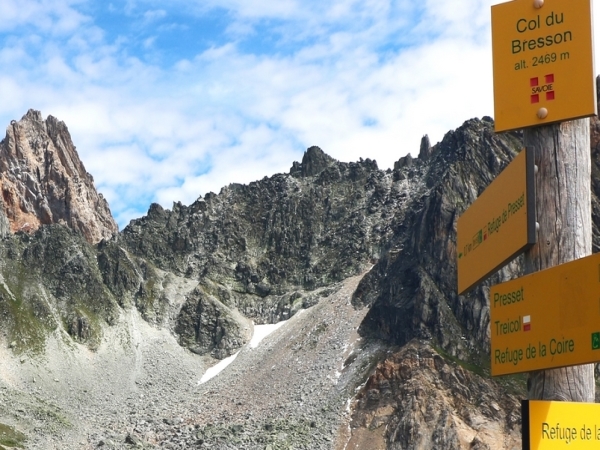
<point>11,437</point>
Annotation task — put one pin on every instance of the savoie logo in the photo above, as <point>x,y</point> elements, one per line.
<point>538,88</point>
<point>596,341</point>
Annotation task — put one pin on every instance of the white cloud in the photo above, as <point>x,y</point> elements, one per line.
<point>154,15</point>
<point>256,9</point>
<point>57,17</point>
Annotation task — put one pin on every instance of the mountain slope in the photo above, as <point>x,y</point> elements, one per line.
<point>128,322</point>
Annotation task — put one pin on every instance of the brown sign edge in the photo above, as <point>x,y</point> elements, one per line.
<point>582,362</point>
<point>547,122</point>
<point>525,425</point>
<point>531,218</point>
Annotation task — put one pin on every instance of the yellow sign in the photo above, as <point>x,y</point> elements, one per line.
<point>560,425</point>
<point>499,225</point>
<point>543,62</point>
<point>547,319</point>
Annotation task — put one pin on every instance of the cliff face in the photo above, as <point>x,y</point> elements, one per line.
<point>318,224</point>
<point>417,399</point>
<point>411,291</point>
<point>43,181</point>
<point>261,248</point>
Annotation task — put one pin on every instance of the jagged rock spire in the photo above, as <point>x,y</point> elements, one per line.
<point>425,149</point>
<point>43,181</point>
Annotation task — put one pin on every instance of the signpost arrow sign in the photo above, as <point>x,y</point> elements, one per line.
<point>560,425</point>
<point>499,225</point>
<point>547,319</point>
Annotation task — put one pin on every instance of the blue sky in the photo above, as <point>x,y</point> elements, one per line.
<point>169,100</point>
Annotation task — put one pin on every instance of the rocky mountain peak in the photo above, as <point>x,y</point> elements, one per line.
<point>425,148</point>
<point>43,181</point>
<point>313,163</point>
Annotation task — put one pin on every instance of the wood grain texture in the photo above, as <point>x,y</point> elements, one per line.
<point>564,214</point>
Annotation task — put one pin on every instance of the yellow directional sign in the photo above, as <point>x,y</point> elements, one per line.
<point>547,319</point>
<point>543,62</point>
<point>560,425</point>
<point>498,225</point>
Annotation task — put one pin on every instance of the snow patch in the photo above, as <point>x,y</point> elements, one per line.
<point>215,370</point>
<point>262,331</point>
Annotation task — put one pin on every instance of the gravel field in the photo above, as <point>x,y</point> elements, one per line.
<point>141,389</point>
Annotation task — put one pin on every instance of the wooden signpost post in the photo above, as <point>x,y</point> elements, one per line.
<point>544,83</point>
<point>551,40</point>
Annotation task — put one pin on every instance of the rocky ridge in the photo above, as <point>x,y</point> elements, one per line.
<point>254,248</point>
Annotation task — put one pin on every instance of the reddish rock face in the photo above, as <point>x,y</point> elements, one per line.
<point>43,181</point>
<point>415,398</point>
